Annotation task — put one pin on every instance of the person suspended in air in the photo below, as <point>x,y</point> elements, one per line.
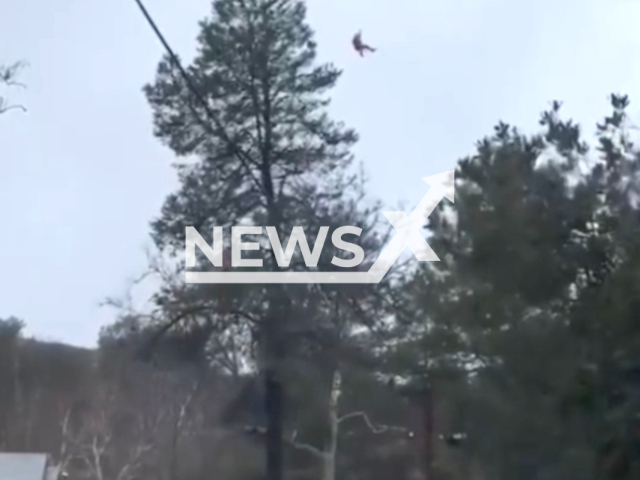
<point>360,46</point>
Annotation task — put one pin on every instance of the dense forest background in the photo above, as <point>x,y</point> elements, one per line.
<point>515,357</point>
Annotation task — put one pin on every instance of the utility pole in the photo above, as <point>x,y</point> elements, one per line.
<point>422,400</point>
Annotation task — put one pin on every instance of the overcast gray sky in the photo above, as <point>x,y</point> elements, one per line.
<point>81,174</point>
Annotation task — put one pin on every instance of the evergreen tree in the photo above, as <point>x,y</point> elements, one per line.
<point>267,154</point>
<point>531,305</point>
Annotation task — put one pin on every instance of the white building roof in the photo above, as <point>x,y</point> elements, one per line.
<point>23,466</point>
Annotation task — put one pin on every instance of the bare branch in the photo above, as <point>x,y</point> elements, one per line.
<point>371,426</point>
<point>7,77</point>
<point>5,108</point>
<point>8,74</point>
<point>305,446</point>
<point>294,443</point>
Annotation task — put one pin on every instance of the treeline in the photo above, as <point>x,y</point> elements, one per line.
<point>122,412</point>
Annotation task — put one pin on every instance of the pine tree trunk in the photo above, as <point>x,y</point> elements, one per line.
<point>274,397</point>
<point>273,407</point>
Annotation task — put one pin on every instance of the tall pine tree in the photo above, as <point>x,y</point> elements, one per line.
<point>268,154</point>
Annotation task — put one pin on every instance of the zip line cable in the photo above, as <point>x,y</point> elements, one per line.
<point>183,72</point>
<point>221,132</point>
<point>244,159</point>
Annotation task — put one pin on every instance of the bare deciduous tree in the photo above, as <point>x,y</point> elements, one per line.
<point>8,77</point>
<point>327,455</point>
<point>96,442</point>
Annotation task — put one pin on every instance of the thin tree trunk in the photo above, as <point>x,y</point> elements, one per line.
<point>329,466</point>
<point>97,459</point>
<point>328,455</point>
<point>329,458</point>
<point>174,451</point>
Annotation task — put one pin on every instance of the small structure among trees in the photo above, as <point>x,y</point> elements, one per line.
<point>27,466</point>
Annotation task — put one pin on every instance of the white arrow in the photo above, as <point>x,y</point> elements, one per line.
<point>408,227</point>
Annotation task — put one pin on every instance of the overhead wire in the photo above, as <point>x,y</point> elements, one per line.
<point>194,91</point>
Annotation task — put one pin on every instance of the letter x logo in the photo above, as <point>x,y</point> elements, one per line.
<point>408,227</point>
